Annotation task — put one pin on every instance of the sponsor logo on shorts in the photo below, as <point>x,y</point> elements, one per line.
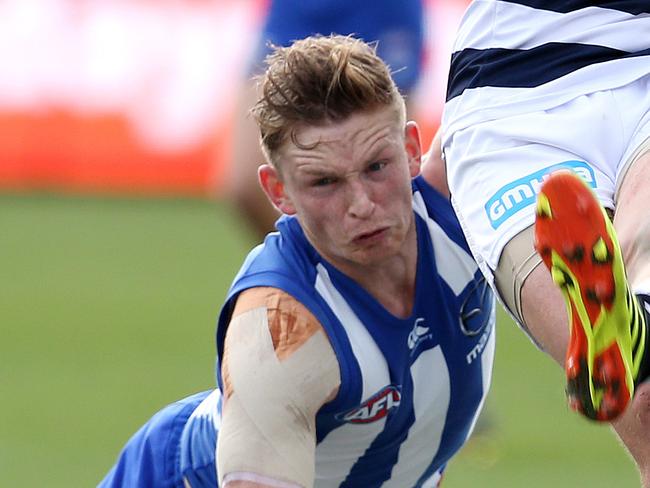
<point>521,193</point>
<point>375,408</point>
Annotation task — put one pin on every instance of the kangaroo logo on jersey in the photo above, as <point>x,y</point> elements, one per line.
<point>417,334</point>
<point>520,193</point>
<point>375,408</point>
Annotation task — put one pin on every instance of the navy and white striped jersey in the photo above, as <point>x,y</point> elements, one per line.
<point>517,56</point>
<point>411,389</point>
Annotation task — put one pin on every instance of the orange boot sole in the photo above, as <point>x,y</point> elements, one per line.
<point>578,245</point>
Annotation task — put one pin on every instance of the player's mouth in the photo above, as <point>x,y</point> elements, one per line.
<point>371,237</point>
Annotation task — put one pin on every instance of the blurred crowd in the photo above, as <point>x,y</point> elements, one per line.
<point>138,95</point>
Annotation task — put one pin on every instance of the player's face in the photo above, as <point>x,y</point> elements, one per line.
<point>349,184</point>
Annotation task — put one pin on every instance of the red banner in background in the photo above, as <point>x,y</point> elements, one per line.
<point>66,151</point>
<point>137,96</point>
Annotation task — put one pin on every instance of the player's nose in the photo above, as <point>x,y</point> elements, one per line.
<point>359,200</point>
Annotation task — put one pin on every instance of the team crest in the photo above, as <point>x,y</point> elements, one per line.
<point>375,408</point>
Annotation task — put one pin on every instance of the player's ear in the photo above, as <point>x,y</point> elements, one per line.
<point>272,184</point>
<point>413,147</point>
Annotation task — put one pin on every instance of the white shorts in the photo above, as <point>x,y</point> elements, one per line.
<point>495,167</point>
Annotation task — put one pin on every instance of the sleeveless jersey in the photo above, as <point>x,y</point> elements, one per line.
<point>411,389</point>
<point>518,56</point>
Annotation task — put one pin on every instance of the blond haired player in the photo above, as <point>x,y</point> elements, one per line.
<point>355,346</point>
<point>398,28</point>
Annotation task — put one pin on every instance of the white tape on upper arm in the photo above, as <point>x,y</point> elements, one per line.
<point>268,424</point>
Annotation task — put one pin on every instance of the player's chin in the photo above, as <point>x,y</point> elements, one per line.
<point>375,254</point>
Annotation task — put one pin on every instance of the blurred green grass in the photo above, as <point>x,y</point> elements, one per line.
<point>107,313</point>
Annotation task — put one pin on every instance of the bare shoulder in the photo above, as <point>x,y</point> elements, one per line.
<point>433,167</point>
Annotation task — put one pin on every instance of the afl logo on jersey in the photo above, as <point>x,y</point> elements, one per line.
<point>375,408</point>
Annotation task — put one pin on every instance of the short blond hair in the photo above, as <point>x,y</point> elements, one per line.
<point>320,79</point>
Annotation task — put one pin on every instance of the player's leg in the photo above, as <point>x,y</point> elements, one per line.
<point>608,313</point>
<point>544,312</point>
<point>494,198</point>
<point>632,428</point>
<point>633,227</point>
<point>530,296</point>
<point>632,222</point>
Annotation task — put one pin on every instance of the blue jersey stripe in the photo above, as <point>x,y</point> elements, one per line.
<point>517,68</point>
<point>564,6</point>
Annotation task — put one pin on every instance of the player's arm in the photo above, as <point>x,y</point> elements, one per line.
<point>433,166</point>
<point>278,369</point>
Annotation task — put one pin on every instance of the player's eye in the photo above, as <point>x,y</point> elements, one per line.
<point>376,166</point>
<point>324,181</point>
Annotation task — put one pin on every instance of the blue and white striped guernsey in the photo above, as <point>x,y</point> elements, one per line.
<point>518,56</point>
<point>411,389</point>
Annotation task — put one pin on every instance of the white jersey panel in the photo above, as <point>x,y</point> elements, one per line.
<point>450,257</point>
<point>523,27</point>
<point>342,447</point>
<point>430,403</point>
